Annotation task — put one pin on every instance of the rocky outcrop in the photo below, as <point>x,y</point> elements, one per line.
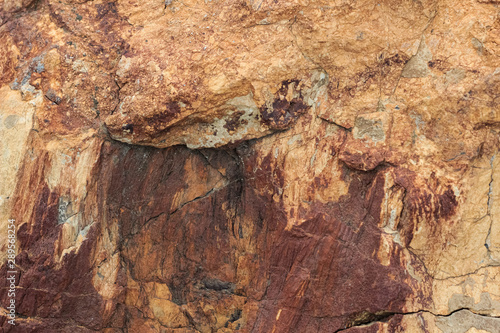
<point>254,166</point>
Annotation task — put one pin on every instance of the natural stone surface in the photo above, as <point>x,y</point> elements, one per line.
<point>254,166</point>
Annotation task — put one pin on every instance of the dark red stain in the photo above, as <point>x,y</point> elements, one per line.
<point>424,198</point>
<point>283,112</point>
<point>105,9</point>
<point>447,204</point>
<point>439,64</point>
<point>234,122</point>
<point>329,255</point>
<point>363,161</point>
<point>396,59</point>
<point>159,120</point>
<point>49,290</point>
<point>323,274</point>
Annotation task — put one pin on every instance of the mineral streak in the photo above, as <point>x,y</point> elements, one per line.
<point>255,166</point>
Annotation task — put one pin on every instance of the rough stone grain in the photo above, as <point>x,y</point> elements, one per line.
<point>255,166</point>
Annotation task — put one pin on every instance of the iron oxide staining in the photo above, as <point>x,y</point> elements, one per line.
<point>286,108</point>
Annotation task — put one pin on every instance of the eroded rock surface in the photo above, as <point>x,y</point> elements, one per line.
<point>254,166</point>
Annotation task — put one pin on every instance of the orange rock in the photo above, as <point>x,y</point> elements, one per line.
<point>253,166</point>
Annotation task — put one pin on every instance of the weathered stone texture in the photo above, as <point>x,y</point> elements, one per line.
<point>253,166</point>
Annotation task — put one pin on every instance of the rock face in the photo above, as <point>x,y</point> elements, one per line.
<point>253,166</point>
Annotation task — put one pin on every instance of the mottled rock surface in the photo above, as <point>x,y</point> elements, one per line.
<point>253,166</point>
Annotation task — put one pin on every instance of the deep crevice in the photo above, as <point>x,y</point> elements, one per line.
<point>372,318</point>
